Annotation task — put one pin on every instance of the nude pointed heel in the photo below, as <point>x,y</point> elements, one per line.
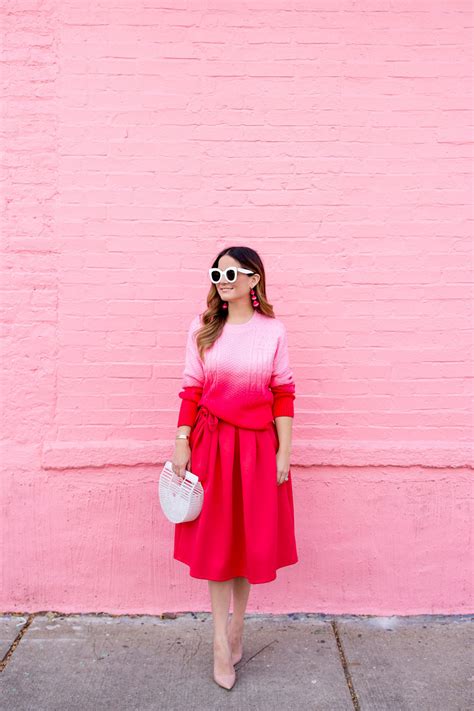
<point>227,681</point>
<point>235,659</point>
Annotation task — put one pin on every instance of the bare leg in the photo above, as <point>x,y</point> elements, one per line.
<point>241,590</point>
<point>224,673</point>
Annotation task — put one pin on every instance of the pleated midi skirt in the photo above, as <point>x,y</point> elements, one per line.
<point>246,525</point>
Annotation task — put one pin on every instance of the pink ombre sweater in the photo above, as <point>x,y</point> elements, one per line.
<point>246,377</point>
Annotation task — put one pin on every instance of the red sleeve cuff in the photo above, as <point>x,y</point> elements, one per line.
<point>283,400</point>
<point>190,397</point>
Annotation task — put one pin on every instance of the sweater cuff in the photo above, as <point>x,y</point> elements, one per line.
<point>283,400</point>
<point>283,406</point>
<point>190,397</point>
<point>187,413</point>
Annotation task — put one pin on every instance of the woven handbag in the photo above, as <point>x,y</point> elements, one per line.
<point>181,499</point>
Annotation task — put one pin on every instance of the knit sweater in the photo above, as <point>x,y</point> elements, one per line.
<point>245,379</point>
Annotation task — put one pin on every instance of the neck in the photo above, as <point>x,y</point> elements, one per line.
<point>240,311</point>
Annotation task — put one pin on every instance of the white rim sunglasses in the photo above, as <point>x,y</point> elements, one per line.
<point>230,274</point>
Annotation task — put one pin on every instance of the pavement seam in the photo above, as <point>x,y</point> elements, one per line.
<point>345,666</point>
<point>16,642</point>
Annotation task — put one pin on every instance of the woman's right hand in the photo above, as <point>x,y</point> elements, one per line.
<point>181,457</point>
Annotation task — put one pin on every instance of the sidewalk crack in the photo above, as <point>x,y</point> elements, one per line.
<point>16,641</point>
<point>345,666</point>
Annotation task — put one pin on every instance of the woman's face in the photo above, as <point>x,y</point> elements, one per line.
<point>238,289</point>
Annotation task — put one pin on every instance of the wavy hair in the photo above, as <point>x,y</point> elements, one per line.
<point>215,316</point>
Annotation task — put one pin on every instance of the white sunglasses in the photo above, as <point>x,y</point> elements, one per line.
<point>230,273</point>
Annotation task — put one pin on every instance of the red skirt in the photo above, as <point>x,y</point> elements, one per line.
<point>246,525</point>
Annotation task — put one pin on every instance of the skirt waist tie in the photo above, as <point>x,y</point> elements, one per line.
<point>205,427</point>
<point>212,420</point>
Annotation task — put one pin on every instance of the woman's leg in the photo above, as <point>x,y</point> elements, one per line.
<point>220,603</point>
<point>241,590</point>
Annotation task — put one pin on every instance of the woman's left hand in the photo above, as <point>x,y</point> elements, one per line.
<point>283,466</point>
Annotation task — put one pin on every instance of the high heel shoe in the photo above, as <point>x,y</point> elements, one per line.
<point>235,658</point>
<point>227,681</point>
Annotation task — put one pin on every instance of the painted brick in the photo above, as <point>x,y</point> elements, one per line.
<point>137,142</point>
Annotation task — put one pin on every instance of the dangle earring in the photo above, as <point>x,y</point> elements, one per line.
<point>224,305</point>
<point>255,301</point>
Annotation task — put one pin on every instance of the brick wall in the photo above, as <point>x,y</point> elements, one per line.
<point>139,140</point>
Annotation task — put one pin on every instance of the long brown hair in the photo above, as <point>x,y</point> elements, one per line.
<point>215,316</point>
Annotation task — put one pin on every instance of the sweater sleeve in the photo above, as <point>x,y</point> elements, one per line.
<point>192,378</point>
<point>282,382</point>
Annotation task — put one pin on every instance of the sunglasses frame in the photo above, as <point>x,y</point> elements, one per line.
<point>223,272</point>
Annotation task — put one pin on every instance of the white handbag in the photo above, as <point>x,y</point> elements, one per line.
<point>181,499</point>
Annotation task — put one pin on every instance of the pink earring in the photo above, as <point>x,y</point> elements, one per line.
<point>255,301</point>
<point>224,305</point>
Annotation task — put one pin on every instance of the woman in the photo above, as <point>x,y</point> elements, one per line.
<point>234,432</point>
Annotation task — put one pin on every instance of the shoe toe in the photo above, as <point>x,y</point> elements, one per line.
<point>227,681</point>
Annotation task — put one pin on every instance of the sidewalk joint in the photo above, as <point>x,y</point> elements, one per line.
<point>16,641</point>
<point>345,666</point>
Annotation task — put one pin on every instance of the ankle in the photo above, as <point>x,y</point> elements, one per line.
<point>236,626</point>
<point>221,640</point>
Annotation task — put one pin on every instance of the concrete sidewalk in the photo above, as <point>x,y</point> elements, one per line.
<point>296,661</point>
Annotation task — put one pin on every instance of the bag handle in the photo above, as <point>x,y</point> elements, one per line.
<point>193,478</point>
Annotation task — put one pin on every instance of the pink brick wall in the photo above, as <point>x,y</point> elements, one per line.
<point>139,141</point>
